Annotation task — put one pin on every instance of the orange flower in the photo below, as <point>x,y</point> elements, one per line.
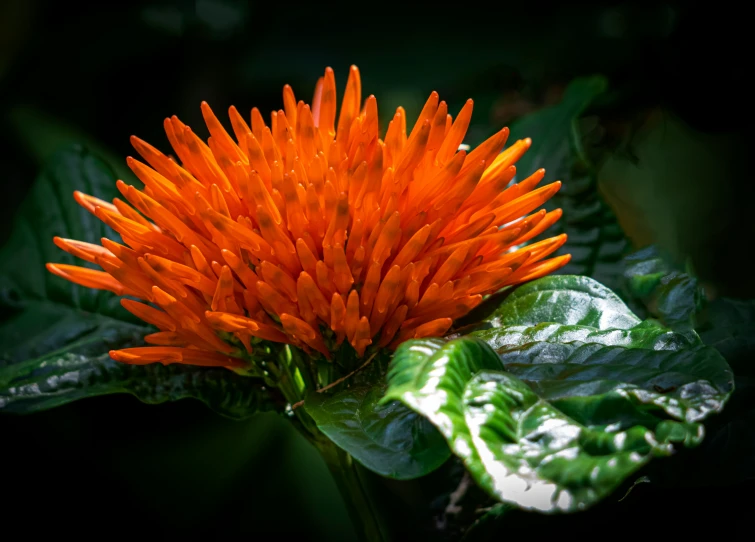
<point>314,233</point>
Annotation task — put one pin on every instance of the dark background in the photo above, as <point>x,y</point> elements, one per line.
<point>674,154</point>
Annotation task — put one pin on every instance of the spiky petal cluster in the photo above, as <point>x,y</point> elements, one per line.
<point>311,232</point>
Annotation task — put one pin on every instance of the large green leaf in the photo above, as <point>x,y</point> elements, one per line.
<point>596,241</point>
<point>55,336</point>
<point>686,382</point>
<point>83,368</point>
<point>422,368</point>
<point>388,439</point>
<point>533,454</point>
<point>50,210</point>
<point>429,376</point>
<point>567,299</point>
<point>571,336</point>
<point>556,409</point>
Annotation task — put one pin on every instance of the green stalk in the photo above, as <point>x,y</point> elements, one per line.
<point>295,381</point>
<point>353,488</point>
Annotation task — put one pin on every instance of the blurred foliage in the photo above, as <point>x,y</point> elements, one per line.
<point>668,142</point>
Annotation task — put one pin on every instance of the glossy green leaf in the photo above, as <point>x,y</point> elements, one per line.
<point>596,241</point>
<point>662,370</point>
<point>55,336</point>
<point>571,336</point>
<point>388,439</point>
<point>565,299</point>
<point>671,295</point>
<point>649,335</point>
<point>533,454</point>
<point>516,445</point>
<point>555,410</point>
<point>83,368</point>
<point>422,369</point>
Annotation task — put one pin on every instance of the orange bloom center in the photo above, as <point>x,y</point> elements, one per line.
<point>314,233</point>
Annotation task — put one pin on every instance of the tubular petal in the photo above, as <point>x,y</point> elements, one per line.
<point>168,355</point>
<point>89,278</point>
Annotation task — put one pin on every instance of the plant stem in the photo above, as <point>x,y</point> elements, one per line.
<point>359,503</point>
<point>356,496</point>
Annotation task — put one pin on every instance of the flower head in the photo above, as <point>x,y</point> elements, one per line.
<point>315,232</point>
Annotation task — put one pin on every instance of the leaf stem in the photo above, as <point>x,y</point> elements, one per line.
<point>335,383</point>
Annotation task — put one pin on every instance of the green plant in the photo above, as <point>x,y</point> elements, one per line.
<point>552,394</point>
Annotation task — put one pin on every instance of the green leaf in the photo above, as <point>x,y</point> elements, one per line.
<point>533,454</point>
<point>596,241</point>
<point>420,368</point>
<point>517,446</point>
<point>55,336</point>
<point>566,299</point>
<point>571,336</point>
<point>663,372</point>
<point>556,408</point>
<point>50,210</point>
<point>388,439</point>
<point>672,296</point>
<point>83,369</point>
